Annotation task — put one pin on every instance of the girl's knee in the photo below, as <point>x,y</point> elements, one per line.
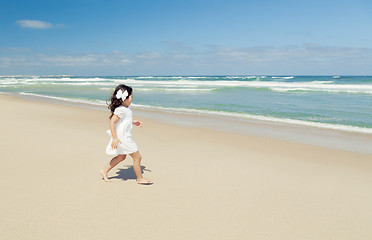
<point>137,157</point>
<point>122,157</point>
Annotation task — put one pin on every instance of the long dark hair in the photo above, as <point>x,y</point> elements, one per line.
<point>113,102</point>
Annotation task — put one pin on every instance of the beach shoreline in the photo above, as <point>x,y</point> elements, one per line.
<point>316,101</point>
<point>312,135</point>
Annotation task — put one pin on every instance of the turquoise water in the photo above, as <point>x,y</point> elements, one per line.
<point>342,101</point>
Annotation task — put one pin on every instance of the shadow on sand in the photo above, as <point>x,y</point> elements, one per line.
<point>127,173</point>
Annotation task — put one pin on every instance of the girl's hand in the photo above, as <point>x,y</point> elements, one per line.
<point>115,143</point>
<point>137,123</point>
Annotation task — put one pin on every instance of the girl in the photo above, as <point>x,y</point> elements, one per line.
<point>121,142</point>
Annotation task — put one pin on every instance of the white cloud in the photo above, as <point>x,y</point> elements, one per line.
<point>15,50</point>
<point>87,59</point>
<point>35,24</point>
<point>307,59</point>
<point>294,59</point>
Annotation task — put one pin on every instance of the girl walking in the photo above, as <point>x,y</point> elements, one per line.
<point>121,142</point>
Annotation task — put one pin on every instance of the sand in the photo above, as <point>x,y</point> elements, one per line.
<point>207,184</point>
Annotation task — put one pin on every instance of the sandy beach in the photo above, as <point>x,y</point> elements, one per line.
<point>207,184</point>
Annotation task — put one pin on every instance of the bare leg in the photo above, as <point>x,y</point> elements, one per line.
<point>137,168</point>
<point>114,161</point>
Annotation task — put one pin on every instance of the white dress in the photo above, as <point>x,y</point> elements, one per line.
<point>124,132</point>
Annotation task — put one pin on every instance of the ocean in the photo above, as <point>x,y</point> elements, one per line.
<point>333,102</point>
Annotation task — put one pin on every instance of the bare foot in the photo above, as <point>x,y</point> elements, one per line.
<point>104,175</point>
<point>143,181</point>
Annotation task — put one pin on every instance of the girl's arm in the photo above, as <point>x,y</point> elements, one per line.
<point>137,123</point>
<point>115,139</point>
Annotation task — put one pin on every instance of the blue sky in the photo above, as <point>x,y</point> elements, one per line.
<point>190,37</point>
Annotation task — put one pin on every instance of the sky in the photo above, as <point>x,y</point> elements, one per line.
<point>189,37</point>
